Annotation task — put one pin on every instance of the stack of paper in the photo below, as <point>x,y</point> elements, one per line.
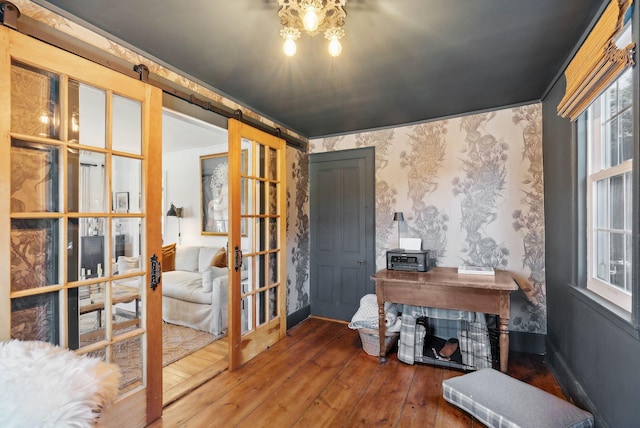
<point>476,270</point>
<point>411,243</point>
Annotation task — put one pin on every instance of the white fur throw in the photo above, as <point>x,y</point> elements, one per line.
<point>42,385</point>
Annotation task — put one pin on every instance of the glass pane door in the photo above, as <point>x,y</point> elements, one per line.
<point>257,244</point>
<point>77,158</point>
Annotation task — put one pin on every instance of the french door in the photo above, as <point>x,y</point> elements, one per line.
<point>80,162</point>
<point>257,290</point>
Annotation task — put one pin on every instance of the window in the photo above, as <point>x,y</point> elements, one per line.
<point>609,192</point>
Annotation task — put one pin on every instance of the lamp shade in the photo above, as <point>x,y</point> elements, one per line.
<point>398,216</point>
<point>176,212</point>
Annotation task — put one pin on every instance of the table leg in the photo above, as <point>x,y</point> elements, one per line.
<point>381,332</point>
<point>504,344</point>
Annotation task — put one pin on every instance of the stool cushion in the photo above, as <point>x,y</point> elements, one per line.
<point>498,400</point>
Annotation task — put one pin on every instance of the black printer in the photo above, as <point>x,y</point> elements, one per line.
<point>408,260</point>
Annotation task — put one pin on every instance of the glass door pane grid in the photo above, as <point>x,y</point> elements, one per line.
<point>37,179</point>
<point>259,178</point>
<point>56,132</point>
<point>58,213</point>
<point>261,163</point>
<point>254,294</point>
<point>37,232</point>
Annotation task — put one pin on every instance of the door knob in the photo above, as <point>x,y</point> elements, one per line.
<point>362,262</point>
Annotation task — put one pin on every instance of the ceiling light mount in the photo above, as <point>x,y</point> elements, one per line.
<point>312,17</point>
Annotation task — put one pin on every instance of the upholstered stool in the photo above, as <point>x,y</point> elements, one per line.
<point>498,400</point>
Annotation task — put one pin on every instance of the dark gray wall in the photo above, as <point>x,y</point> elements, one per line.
<point>593,351</point>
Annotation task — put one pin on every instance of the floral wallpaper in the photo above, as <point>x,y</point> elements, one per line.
<point>529,220</point>
<point>297,230</point>
<point>35,318</point>
<point>471,188</point>
<point>480,188</point>
<point>33,242</point>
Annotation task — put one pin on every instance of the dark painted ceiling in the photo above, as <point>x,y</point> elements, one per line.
<point>403,61</point>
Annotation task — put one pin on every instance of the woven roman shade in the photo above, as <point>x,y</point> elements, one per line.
<point>598,62</point>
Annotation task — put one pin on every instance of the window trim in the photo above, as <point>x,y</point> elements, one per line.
<point>622,299</point>
<point>624,321</point>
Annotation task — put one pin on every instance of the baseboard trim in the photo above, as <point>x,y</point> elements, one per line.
<point>298,316</point>
<point>569,384</point>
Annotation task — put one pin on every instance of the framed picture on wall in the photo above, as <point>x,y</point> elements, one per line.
<point>214,185</point>
<point>121,202</point>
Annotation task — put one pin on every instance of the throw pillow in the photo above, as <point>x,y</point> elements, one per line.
<point>128,264</point>
<point>187,258</point>
<point>168,257</point>
<point>205,256</point>
<point>220,259</point>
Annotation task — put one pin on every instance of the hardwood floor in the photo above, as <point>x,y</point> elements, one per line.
<point>182,376</point>
<point>319,376</point>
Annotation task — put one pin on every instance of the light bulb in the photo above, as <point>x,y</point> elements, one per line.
<point>289,47</point>
<point>310,19</point>
<point>335,47</point>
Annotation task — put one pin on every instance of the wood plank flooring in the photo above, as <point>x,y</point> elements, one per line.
<point>319,376</point>
<point>188,373</point>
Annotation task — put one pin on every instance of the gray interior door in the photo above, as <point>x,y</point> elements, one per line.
<point>342,211</point>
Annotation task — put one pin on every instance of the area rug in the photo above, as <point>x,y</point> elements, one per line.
<point>178,342</point>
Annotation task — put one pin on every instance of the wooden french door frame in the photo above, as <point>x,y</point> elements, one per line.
<point>143,404</point>
<point>256,161</point>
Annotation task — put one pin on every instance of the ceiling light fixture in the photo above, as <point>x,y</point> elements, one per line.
<point>313,17</point>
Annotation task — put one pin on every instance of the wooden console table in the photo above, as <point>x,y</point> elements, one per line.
<point>121,294</point>
<point>443,287</point>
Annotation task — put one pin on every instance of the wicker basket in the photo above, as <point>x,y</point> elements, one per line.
<point>371,341</point>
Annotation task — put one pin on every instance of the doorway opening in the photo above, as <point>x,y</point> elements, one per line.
<point>195,346</point>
